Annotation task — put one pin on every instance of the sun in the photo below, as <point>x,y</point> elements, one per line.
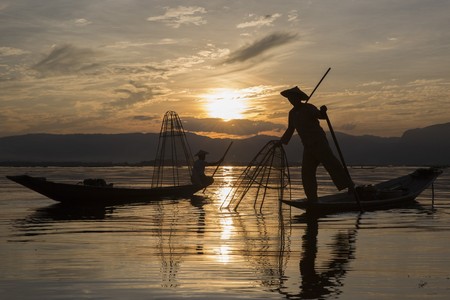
<point>226,104</point>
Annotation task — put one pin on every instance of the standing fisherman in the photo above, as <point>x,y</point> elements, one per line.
<point>304,117</point>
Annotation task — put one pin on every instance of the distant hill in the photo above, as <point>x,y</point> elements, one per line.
<point>421,146</point>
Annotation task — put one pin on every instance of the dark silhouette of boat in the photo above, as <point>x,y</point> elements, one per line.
<point>102,194</point>
<point>387,194</point>
<point>171,175</point>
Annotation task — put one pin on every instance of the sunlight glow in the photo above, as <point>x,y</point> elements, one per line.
<point>226,104</point>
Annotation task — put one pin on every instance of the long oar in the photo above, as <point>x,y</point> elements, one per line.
<point>342,158</point>
<point>223,157</point>
<point>317,85</point>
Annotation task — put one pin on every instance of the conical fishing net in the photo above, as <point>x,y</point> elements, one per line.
<point>266,174</point>
<point>173,162</point>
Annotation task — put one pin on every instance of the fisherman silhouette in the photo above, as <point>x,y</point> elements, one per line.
<point>198,170</point>
<point>324,282</point>
<point>304,117</point>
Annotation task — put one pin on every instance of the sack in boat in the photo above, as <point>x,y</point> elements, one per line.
<point>96,182</point>
<point>366,192</point>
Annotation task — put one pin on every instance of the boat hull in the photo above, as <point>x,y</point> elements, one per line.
<point>388,194</point>
<point>101,195</point>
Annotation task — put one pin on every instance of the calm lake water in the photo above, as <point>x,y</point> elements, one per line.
<point>192,248</point>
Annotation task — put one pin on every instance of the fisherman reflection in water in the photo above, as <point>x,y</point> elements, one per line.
<point>198,171</point>
<point>326,281</point>
<point>304,117</point>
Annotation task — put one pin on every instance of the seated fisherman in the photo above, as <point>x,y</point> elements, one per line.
<point>198,171</point>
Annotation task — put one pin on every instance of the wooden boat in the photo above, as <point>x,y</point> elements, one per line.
<point>388,194</point>
<point>101,194</point>
<point>169,167</point>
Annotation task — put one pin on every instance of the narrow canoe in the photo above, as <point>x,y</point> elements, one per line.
<point>388,194</point>
<point>101,195</point>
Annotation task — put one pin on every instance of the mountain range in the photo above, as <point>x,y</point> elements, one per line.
<point>420,146</point>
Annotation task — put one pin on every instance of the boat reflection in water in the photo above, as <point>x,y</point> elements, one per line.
<point>63,212</point>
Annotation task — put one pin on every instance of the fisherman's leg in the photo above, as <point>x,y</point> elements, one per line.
<point>334,167</point>
<point>196,180</point>
<point>309,180</point>
<point>207,180</point>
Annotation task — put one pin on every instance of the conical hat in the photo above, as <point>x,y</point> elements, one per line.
<point>294,92</point>
<point>201,152</point>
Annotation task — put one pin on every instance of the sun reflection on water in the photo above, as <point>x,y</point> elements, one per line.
<point>227,231</point>
<point>227,228</point>
<point>226,225</point>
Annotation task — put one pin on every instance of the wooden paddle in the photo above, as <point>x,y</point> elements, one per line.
<point>335,140</point>
<point>317,85</point>
<point>223,157</point>
<point>342,158</point>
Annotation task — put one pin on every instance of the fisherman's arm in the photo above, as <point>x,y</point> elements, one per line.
<point>289,131</point>
<point>215,163</point>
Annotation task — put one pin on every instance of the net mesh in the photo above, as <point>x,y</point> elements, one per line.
<point>174,161</point>
<point>268,172</point>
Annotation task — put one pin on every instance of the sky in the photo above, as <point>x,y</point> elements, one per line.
<point>117,66</point>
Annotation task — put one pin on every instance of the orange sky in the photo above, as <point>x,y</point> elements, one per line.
<point>115,66</point>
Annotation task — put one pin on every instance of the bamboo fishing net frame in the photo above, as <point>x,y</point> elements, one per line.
<point>173,153</point>
<point>268,170</point>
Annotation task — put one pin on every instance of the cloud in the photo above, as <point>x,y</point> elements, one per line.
<point>261,21</point>
<point>81,22</point>
<point>149,69</point>
<point>67,59</point>
<point>237,127</point>
<point>170,67</point>
<point>144,118</point>
<point>181,15</point>
<point>128,44</point>
<point>9,51</point>
<point>260,46</point>
<point>293,16</point>
<point>136,93</point>
<point>348,126</point>
<point>371,84</point>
